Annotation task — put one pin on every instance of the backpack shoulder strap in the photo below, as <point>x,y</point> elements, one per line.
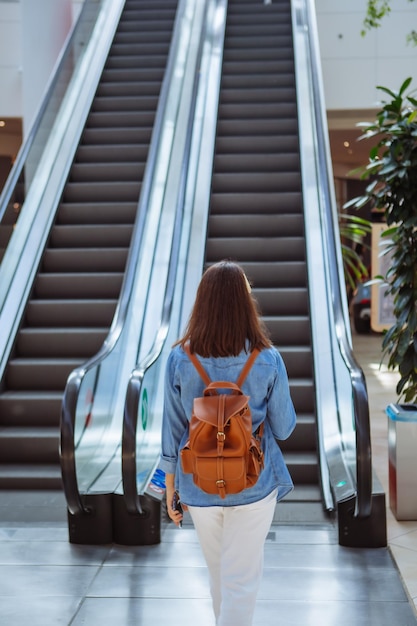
<point>246,368</point>
<point>200,369</point>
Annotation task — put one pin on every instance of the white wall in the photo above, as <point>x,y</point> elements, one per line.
<point>10,60</point>
<point>45,26</point>
<point>354,65</point>
<point>12,50</point>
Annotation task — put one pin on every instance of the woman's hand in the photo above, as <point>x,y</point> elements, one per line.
<point>175,516</point>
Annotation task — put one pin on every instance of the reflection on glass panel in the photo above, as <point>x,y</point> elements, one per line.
<point>23,173</point>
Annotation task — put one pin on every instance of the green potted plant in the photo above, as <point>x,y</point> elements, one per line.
<point>393,190</point>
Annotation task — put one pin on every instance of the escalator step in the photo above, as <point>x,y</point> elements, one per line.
<point>130,61</point>
<point>277,49</point>
<point>255,144</point>
<point>147,5</point>
<point>97,213</point>
<point>29,445</point>
<point>142,34</point>
<point>252,163</point>
<point>102,191</point>
<point>153,25</point>
<point>303,437</point>
<point>270,68</point>
<point>107,172</point>
<point>303,467</point>
<point>140,14</point>
<point>128,89</point>
<point>40,374</point>
<point>77,285</point>
<point>123,119</point>
<point>249,111</point>
<point>256,225</point>
<point>98,235</point>
<point>135,153</point>
<point>276,274</point>
<point>137,75</point>
<point>285,126</point>
<point>30,408</point>
<point>124,103</point>
<point>263,28</point>
<point>252,202</point>
<point>125,135</point>
<point>258,94</point>
<point>71,313</point>
<point>281,43</point>
<point>26,476</point>
<point>55,342</point>
<point>299,363</point>
<point>148,49</point>
<point>249,182</point>
<point>255,81</point>
<point>244,249</point>
<point>284,301</point>
<point>88,260</point>
<point>289,331</point>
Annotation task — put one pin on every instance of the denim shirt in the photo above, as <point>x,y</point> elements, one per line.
<point>270,401</point>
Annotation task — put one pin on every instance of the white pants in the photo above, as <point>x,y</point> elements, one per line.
<point>232,540</point>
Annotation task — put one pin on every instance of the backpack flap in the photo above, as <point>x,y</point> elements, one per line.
<point>220,425</point>
<point>207,408</point>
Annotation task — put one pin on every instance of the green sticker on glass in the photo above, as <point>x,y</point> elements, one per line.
<point>145,409</point>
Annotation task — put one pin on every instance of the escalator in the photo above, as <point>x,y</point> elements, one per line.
<point>256,209</point>
<point>77,286</point>
<point>262,196</point>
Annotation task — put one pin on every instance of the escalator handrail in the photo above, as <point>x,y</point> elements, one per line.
<point>24,150</point>
<point>134,387</point>
<point>360,394</point>
<point>74,500</point>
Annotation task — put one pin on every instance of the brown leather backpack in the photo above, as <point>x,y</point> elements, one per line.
<point>222,453</point>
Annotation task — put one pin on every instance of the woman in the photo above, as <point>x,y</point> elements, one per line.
<point>223,329</point>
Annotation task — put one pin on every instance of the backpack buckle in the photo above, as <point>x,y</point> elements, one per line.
<point>221,437</point>
<point>220,483</point>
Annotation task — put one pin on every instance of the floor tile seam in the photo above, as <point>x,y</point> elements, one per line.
<point>39,566</point>
<point>344,600</point>
<point>138,596</point>
<point>406,587</point>
<point>77,610</point>
<point>411,600</point>
<point>399,545</point>
<point>302,544</point>
<point>352,569</point>
<point>161,566</point>
<point>402,532</point>
<point>89,587</point>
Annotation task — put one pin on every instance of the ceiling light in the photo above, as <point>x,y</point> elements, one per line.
<point>346,144</point>
<point>2,123</point>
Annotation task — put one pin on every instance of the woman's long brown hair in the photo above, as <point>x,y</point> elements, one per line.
<point>225,318</point>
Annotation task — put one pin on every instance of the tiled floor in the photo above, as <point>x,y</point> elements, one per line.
<point>309,579</point>
<point>402,536</point>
